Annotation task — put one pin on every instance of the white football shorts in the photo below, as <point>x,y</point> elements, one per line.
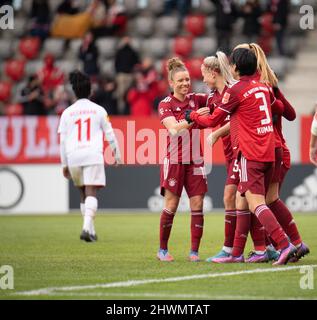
<point>93,175</point>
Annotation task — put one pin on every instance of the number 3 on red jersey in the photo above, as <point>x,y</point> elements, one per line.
<point>264,107</point>
<point>79,124</point>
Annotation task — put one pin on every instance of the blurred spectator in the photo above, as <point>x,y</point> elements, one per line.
<point>251,12</point>
<point>88,54</point>
<point>280,10</point>
<point>109,17</point>
<point>182,7</point>
<point>32,97</point>
<point>62,99</point>
<point>126,58</point>
<point>50,76</point>
<point>40,19</point>
<point>105,96</point>
<point>226,14</point>
<point>68,7</point>
<point>141,97</point>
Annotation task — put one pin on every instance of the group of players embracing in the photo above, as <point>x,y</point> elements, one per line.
<point>247,107</point>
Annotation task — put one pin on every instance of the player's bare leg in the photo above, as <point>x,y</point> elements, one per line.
<point>229,200</point>
<point>91,205</point>
<point>286,220</point>
<point>166,223</point>
<point>197,225</point>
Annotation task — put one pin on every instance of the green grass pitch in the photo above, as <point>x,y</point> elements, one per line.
<point>45,252</point>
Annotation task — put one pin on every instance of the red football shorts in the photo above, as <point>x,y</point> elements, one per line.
<point>232,167</point>
<point>254,176</point>
<point>176,176</point>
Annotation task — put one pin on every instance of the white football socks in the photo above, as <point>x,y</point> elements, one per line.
<point>91,205</point>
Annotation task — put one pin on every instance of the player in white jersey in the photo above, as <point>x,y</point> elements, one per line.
<point>82,129</point>
<point>313,141</point>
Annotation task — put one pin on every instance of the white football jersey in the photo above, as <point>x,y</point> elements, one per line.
<point>82,128</point>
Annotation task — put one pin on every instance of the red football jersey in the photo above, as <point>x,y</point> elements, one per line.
<point>248,102</point>
<point>214,100</point>
<point>185,147</point>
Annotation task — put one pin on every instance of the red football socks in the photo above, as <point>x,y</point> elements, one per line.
<point>166,224</point>
<point>257,232</point>
<point>286,220</point>
<point>241,233</point>
<point>196,227</point>
<point>273,228</point>
<point>230,227</point>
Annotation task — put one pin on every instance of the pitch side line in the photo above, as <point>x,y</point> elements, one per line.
<point>133,283</point>
<point>174,296</point>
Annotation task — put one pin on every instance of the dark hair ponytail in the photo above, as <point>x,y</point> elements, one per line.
<point>245,61</point>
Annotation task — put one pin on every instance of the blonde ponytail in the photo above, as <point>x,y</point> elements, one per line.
<point>220,64</point>
<point>174,65</point>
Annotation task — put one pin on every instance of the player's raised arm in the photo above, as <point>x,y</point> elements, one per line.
<point>111,137</point>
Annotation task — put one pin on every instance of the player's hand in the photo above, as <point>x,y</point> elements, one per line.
<point>203,111</point>
<point>212,139</point>
<point>313,155</point>
<point>66,173</point>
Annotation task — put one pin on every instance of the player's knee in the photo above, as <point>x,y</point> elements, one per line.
<point>229,200</point>
<point>196,203</point>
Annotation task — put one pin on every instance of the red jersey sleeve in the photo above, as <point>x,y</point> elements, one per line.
<point>165,109</point>
<point>229,103</point>
<point>289,112</point>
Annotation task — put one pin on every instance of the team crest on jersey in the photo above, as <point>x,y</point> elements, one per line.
<point>161,111</point>
<point>192,104</point>
<point>226,98</point>
<point>172,182</point>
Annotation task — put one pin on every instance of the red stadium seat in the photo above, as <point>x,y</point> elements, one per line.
<point>195,24</point>
<point>5,90</point>
<point>15,109</point>
<point>30,47</point>
<point>14,69</point>
<point>183,46</point>
<point>193,65</point>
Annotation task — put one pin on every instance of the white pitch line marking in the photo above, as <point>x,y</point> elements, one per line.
<point>133,283</point>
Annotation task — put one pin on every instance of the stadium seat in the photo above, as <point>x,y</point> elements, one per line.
<point>183,46</point>
<point>6,49</point>
<point>167,26</point>
<point>55,47</point>
<point>193,65</point>
<point>107,46</point>
<point>143,26</point>
<point>195,24</point>
<point>14,69</point>
<point>15,109</point>
<point>205,7</point>
<point>155,47</point>
<point>204,46</point>
<point>131,7</point>
<point>5,90</point>
<point>74,47</point>
<point>33,67</point>
<point>67,65</point>
<point>155,7</point>
<point>19,26</point>
<point>29,47</point>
